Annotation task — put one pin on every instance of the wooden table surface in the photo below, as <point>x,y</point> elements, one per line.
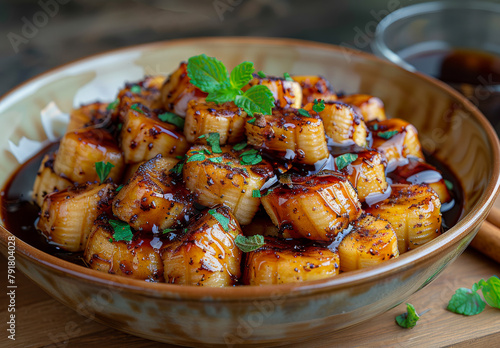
<point>42,321</point>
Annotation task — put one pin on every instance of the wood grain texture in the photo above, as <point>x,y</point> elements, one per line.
<point>43,322</point>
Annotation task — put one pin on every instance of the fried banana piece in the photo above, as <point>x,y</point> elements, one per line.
<point>342,123</point>
<point>47,180</point>
<point>178,91</point>
<point>372,108</point>
<point>137,259</point>
<point>282,261</point>
<point>414,211</point>
<point>204,117</point>
<point>88,115</point>
<point>145,92</point>
<point>143,136</point>
<point>315,87</point>
<point>152,200</point>
<point>371,241</point>
<point>288,134</point>
<point>205,254</point>
<point>168,163</point>
<point>397,140</point>
<point>80,150</point>
<point>67,216</point>
<point>286,93</point>
<point>316,207</point>
<point>367,173</point>
<point>418,172</point>
<point>228,178</point>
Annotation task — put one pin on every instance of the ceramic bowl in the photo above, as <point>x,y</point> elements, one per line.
<point>450,127</point>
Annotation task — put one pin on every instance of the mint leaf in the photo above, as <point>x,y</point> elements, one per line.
<point>318,106</point>
<point>466,301</point>
<point>207,73</point>
<point>261,74</point>
<point>213,139</point>
<point>241,75</point>
<point>491,291</point>
<point>168,230</point>
<point>215,159</point>
<point>344,160</point>
<point>408,319</point>
<point>304,113</point>
<point>249,244</point>
<point>250,157</point>
<point>387,135</point>
<point>223,221</point>
<point>252,120</point>
<point>240,146</point>
<point>196,157</point>
<point>177,169</point>
<point>103,170</point>
<point>257,99</point>
<point>135,89</point>
<point>119,188</point>
<point>449,184</point>
<point>172,118</point>
<point>223,95</point>
<point>113,104</point>
<point>122,231</point>
<point>256,194</point>
<point>135,107</point>
<point>287,77</point>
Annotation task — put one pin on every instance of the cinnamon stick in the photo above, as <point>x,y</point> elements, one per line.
<point>487,240</point>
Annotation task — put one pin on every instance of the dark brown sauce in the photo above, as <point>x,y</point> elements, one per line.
<point>476,74</point>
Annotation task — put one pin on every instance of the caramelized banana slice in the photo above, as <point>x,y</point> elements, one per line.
<point>286,93</point>
<point>228,178</point>
<point>371,241</point>
<point>396,140</point>
<point>152,200</point>
<point>418,172</point>
<point>316,207</point>
<point>178,91</point>
<point>67,216</point>
<point>47,181</point>
<point>204,117</point>
<point>137,259</point>
<point>372,108</point>
<point>290,135</point>
<point>168,163</point>
<point>88,115</point>
<point>366,173</point>
<point>414,213</point>
<point>143,136</point>
<point>282,261</point>
<point>145,92</point>
<point>315,87</point>
<point>342,123</point>
<point>80,150</point>
<point>205,254</point>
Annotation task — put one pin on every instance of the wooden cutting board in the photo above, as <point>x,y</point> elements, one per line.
<point>42,321</point>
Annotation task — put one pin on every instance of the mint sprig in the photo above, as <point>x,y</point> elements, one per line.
<point>122,231</point>
<point>469,302</point>
<point>344,160</point>
<point>249,244</point>
<point>409,319</point>
<point>103,169</point>
<point>211,76</point>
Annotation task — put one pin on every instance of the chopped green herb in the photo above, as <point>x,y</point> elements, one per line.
<point>240,146</point>
<point>261,74</point>
<point>196,157</point>
<point>449,184</point>
<point>177,169</point>
<point>268,192</point>
<point>287,77</point>
<point>180,157</point>
<point>135,107</point>
<point>304,113</point>
<point>122,231</point>
<point>110,240</point>
<point>344,160</point>
<point>168,230</point>
<point>172,118</point>
<point>375,127</point>
<point>256,194</point>
<point>136,89</point>
<point>215,159</point>
<point>249,244</point>
<point>318,106</point>
<point>387,135</point>
<point>408,319</point>
<point>103,170</point>
<point>120,126</point>
<point>213,139</point>
<point>113,104</point>
<point>223,221</point>
<point>252,120</point>
<point>119,188</point>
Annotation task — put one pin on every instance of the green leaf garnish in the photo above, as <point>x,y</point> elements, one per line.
<point>257,99</point>
<point>256,194</point>
<point>168,230</point>
<point>491,291</point>
<point>408,319</point>
<point>449,184</point>
<point>223,95</point>
<point>288,77</point>
<point>387,135</point>
<point>466,301</point>
<point>172,118</point>
<point>248,244</point>
<point>223,221</point>
<point>122,231</point>
<point>344,160</point>
<point>250,157</point>
<point>241,75</point>
<point>103,170</point>
<point>113,104</point>
<point>215,159</point>
<point>196,157</point>
<point>213,139</point>
<point>261,74</point>
<point>136,89</point>
<point>177,169</point>
<point>207,73</point>
<point>240,146</point>
<point>119,188</point>
<point>318,106</point>
<point>136,108</point>
<point>304,113</point>
<point>252,120</point>
<point>375,127</point>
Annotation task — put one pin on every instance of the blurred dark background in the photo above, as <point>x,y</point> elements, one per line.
<point>38,35</point>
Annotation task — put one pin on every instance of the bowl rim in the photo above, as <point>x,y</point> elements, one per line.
<point>250,293</point>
